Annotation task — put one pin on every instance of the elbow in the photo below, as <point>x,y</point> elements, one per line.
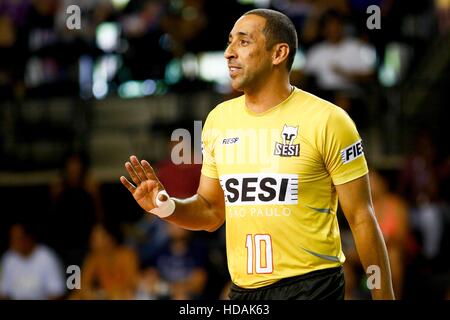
<point>216,225</point>
<point>217,218</point>
<point>364,216</point>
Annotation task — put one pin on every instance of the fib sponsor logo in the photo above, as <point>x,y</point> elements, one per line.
<point>352,152</point>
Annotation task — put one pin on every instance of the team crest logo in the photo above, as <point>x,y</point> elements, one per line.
<point>288,148</point>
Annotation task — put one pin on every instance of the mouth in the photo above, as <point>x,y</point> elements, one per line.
<point>233,70</point>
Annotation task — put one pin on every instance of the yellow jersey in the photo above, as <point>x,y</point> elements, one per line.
<point>278,170</point>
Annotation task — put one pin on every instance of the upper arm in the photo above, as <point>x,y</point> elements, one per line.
<point>355,200</point>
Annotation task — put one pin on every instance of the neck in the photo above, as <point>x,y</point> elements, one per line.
<point>270,94</point>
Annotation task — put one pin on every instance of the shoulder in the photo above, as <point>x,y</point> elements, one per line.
<point>315,106</point>
<point>45,253</point>
<point>325,120</point>
<point>225,107</point>
<point>358,48</point>
<point>318,48</point>
<point>8,257</point>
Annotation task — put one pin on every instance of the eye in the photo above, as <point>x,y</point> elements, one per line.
<point>244,42</point>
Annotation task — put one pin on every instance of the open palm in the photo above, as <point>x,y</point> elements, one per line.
<point>146,185</point>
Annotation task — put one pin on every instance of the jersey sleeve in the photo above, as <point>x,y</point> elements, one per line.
<point>342,148</point>
<point>209,167</point>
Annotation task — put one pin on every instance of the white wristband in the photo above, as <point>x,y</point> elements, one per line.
<point>165,208</point>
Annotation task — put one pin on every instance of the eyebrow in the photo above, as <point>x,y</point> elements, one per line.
<point>240,33</point>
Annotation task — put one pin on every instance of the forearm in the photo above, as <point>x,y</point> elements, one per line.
<point>372,252</point>
<point>196,213</point>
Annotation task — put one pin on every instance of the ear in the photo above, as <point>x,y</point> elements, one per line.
<point>280,53</point>
<point>284,127</point>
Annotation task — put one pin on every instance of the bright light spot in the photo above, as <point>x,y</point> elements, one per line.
<point>173,72</point>
<point>213,67</point>
<point>100,89</point>
<point>148,87</point>
<point>107,36</point>
<point>189,66</point>
<point>387,76</point>
<point>130,89</point>
<point>368,55</point>
<point>137,89</point>
<point>120,4</point>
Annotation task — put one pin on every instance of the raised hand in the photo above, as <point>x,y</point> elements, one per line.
<point>146,185</point>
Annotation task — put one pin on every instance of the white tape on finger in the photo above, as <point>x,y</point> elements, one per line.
<point>165,208</point>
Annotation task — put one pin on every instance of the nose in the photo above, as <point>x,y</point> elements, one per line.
<point>229,52</point>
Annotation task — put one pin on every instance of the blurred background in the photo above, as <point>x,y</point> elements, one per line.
<point>75,103</point>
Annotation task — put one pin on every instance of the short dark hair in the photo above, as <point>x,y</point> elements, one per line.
<point>279,28</point>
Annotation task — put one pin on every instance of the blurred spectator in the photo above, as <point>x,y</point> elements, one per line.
<point>178,272</point>
<point>306,15</point>
<point>423,181</point>
<point>419,177</point>
<point>419,182</point>
<point>392,215</point>
<point>183,23</point>
<point>443,14</point>
<point>110,270</point>
<point>337,67</point>
<point>144,38</point>
<point>339,62</point>
<point>76,208</point>
<point>30,270</point>
<point>147,237</point>
<point>13,17</point>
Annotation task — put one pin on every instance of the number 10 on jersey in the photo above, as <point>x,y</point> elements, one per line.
<point>259,253</point>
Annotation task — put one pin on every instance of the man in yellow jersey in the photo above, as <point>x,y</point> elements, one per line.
<point>275,162</point>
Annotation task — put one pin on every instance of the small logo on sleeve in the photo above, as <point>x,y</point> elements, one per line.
<point>352,152</point>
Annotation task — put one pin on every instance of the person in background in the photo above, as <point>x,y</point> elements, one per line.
<point>420,183</point>
<point>178,271</point>
<point>29,269</point>
<point>339,62</point>
<point>110,270</point>
<point>392,214</point>
<point>74,194</point>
